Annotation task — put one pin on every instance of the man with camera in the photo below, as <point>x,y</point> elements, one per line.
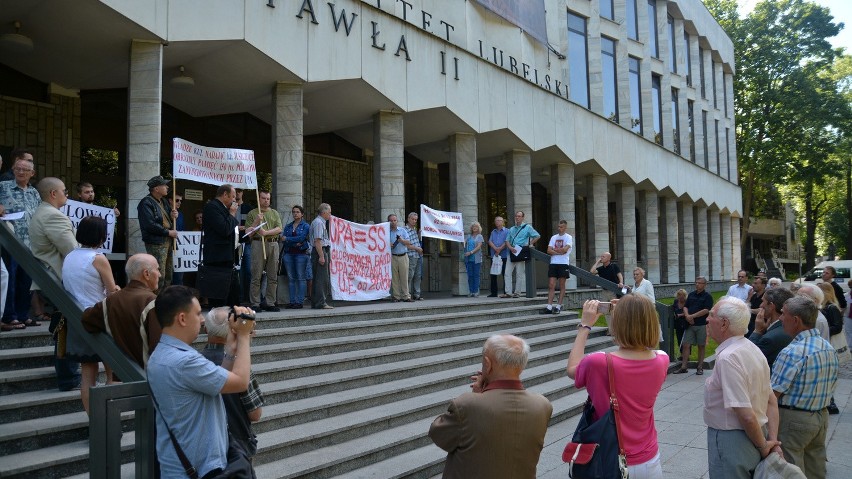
<point>182,380</point>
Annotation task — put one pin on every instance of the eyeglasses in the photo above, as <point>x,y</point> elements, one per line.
<point>178,200</point>
<point>64,192</point>
<point>22,170</point>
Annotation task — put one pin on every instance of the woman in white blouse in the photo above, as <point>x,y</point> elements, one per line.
<point>642,286</point>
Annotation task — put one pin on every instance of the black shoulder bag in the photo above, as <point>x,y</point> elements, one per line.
<point>597,450</point>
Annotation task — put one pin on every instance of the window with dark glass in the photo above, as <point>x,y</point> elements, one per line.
<point>718,153</point>
<point>610,85</point>
<point>706,144</point>
<point>578,63</point>
<point>652,28</point>
<point>672,46</point>
<point>728,151</point>
<point>713,76</point>
<point>675,121</point>
<point>657,108</point>
<point>725,92</point>
<point>688,59</point>
<point>606,9</point>
<point>690,116</point>
<point>701,72</point>
<point>632,20</point>
<point>635,96</point>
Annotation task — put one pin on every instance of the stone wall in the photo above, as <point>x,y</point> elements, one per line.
<point>50,130</point>
<point>323,172</point>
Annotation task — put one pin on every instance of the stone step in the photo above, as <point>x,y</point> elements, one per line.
<point>334,335</point>
<point>363,454</point>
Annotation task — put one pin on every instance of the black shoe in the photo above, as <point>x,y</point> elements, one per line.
<point>832,409</point>
<point>556,310</point>
<point>272,309</point>
<point>546,311</point>
<point>298,306</point>
<point>492,295</point>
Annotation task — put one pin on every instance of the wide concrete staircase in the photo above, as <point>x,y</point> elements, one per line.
<point>348,394</point>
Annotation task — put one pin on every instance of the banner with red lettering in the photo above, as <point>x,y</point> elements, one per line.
<point>213,166</point>
<point>446,225</point>
<point>360,260</point>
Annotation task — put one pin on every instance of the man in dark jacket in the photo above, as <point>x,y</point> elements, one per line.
<point>157,225</point>
<point>219,239</point>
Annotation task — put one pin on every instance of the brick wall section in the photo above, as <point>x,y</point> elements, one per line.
<point>44,129</point>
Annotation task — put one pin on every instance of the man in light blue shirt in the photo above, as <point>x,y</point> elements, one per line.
<point>497,244</point>
<point>399,260</point>
<point>519,236</point>
<point>184,381</point>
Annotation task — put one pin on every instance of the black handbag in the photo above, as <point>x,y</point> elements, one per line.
<point>238,467</point>
<point>595,450</point>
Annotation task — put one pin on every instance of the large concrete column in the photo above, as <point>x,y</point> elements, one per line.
<point>686,241</point>
<point>144,104</point>
<point>518,186</point>
<point>625,233</point>
<point>649,234</point>
<point>714,244</point>
<point>388,184</point>
<point>463,199</point>
<point>728,271</point>
<point>287,149</point>
<point>736,247</point>
<point>702,256</point>
<point>669,241</point>
<point>562,196</point>
<point>597,214</point>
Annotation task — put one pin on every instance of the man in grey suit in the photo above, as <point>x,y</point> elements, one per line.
<point>768,335</point>
<point>497,430</point>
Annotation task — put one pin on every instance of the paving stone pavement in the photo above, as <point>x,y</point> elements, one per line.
<point>682,435</point>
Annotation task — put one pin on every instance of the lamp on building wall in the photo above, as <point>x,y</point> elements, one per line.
<point>183,80</point>
<point>16,41</point>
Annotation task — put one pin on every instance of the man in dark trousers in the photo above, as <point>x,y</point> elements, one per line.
<point>219,240</point>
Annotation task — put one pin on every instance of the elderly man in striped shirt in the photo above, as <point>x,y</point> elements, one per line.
<point>804,377</point>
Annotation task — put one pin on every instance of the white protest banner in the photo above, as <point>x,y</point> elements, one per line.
<point>213,166</point>
<point>77,210</point>
<point>360,260</point>
<point>446,225</point>
<point>187,253</point>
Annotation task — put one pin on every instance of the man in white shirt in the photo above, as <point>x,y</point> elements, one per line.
<point>742,289</point>
<point>559,249</point>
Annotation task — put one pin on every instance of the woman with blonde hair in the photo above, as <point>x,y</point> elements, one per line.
<point>639,372</point>
<point>473,258</point>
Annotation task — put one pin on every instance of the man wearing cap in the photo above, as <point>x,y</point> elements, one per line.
<point>157,224</point>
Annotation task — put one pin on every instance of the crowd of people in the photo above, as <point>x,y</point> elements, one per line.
<point>771,389</point>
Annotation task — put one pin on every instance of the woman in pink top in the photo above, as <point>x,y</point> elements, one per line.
<point>639,374</point>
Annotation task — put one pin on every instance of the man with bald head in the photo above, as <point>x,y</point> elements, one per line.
<point>51,239</point>
<point>497,430</point>
<point>130,311</point>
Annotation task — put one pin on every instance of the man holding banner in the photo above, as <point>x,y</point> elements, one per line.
<point>157,225</point>
<point>268,224</point>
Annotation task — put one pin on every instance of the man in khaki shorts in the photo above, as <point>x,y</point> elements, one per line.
<point>698,305</point>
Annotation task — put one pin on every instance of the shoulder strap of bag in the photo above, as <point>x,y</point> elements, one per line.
<point>613,404</point>
<point>512,240</point>
<point>188,468</point>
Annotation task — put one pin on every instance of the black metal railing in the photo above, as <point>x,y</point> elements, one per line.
<point>105,403</point>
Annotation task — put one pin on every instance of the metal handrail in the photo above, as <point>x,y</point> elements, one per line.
<point>108,448</point>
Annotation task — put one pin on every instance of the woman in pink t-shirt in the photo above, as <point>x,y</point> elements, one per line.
<point>639,374</point>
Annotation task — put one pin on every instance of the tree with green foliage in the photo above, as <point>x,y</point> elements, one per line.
<point>787,106</point>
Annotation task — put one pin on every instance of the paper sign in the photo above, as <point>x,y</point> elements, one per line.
<point>187,253</point>
<point>213,166</point>
<point>446,225</point>
<point>360,260</point>
<point>77,210</point>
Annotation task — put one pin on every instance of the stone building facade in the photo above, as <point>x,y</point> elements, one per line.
<point>615,115</point>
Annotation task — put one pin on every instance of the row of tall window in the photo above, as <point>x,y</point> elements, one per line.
<point>579,74</point>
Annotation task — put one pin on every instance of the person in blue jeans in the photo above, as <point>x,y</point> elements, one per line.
<point>296,260</point>
<point>473,258</point>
